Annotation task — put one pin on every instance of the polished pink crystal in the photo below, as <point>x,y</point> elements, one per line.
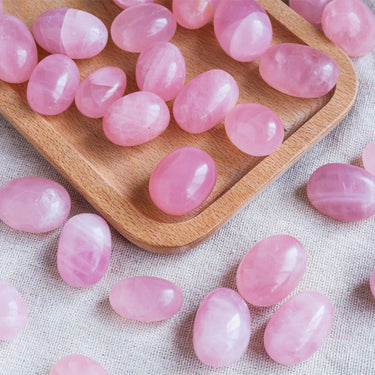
<point>136,118</point>
<point>18,53</point>
<point>368,158</point>
<point>146,299</point>
<point>183,180</point>
<point>342,191</point>
<point>140,27</point>
<point>161,70</point>
<point>205,101</point>
<point>131,3</point>
<point>351,25</point>
<point>99,90</point>
<point>243,29</point>
<point>77,364</point>
<point>372,283</point>
<point>311,10</point>
<point>34,204</point>
<point>222,328</point>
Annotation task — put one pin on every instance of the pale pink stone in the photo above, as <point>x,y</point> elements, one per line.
<point>298,328</point>
<point>368,158</point>
<point>183,180</point>
<point>342,191</point>
<point>222,328</point>
<point>140,27</point>
<point>146,299</point>
<point>100,90</point>
<point>271,270</point>
<point>136,118</point>
<point>311,10</point>
<point>205,101</point>
<point>372,283</point>
<point>131,3</point>
<point>34,204</point>
<point>18,53</point>
<point>77,364</point>
<point>70,32</point>
<point>161,70</point>
<point>243,29</point>
<point>351,25</point>
<point>53,85</point>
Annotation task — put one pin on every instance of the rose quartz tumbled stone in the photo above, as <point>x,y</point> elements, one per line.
<point>368,158</point>
<point>77,365</point>
<point>131,3</point>
<point>372,283</point>
<point>222,328</point>
<point>342,191</point>
<point>161,70</point>
<point>146,299</point>
<point>140,27</point>
<point>34,204</point>
<point>311,10</point>
<point>298,328</point>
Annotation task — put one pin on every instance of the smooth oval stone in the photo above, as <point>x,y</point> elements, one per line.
<point>13,311</point>
<point>342,191</point>
<point>368,158</point>
<point>99,90</point>
<point>131,3</point>
<point>351,25</point>
<point>183,180</point>
<point>271,270</point>
<point>77,365</point>
<point>140,27</point>
<point>18,53</point>
<point>205,101</point>
<point>161,70</point>
<point>243,29</point>
<point>71,32</point>
<point>372,283</point>
<point>34,204</point>
<point>146,299</point>
<point>310,10</point>
<point>222,328</point>
<point>298,328</point>
<point>136,118</point>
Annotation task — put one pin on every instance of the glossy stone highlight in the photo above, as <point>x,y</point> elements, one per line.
<point>310,10</point>
<point>372,283</point>
<point>368,158</point>
<point>77,365</point>
<point>131,3</point>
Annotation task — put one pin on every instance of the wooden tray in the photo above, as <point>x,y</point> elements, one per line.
<point>115,179</point>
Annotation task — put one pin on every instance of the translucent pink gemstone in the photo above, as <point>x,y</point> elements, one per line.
<point>99,90</point>
<point>77,365</point>
<point>183,180</point>
<point>298,328</point>
<point>18,53</point>
<point>243,29</point>
<point>368,158</point>
<point>205,101</point>
<point>70,32</point>
<point>221,328</point>
<point>344,192</point>
<point>351,25</point>
<point>140,27</point>
<point>146,299</point>
<point>136,118</point>
<point>161,70</point>
<point>311,10</point>
<point>131,3</point>
<point>34,204</point>
<point>271,270</point>
<point>372,283</point>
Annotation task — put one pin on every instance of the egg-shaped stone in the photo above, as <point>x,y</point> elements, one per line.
<point>131,3</point>
<point>368,158</point>
<point>310,10</point>
<point>77,364</point>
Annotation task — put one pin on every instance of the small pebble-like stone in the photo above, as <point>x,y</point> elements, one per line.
<point>146,299</point>
<point>99,90</point>
<point>311,10</point>
<point>183,180</point>
<point>161,70</point>
<point>205,101</point>
<point>298,328</point>
<point>368,158</point>
<point>131,3</point>
<point>222,328</point>
<point>77,364</point>
<point>136,118</point>
<point>140,27</point>
<point>342,191</point>
<point>372,283</point>
<point>34,204</point>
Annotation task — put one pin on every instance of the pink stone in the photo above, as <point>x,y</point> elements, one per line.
<point>136,118</point>
<point>205,101</point>
<point>183,180</point>
<point>84,250</point>
<point>13,311</point>
<point>34,204</point>
<point>372,283</point>
<point>161,70</point>
<point>131,3</point>
<point>311,10</point>
<point>77,365</point>
<point>298,328</point>
<point>368,158</point>
<point>146,299</point>
<point>271,270</point>
<point>344,192</point>
<point>140,27</point>
<point>70,32</point>
<point>99,90</point>
<point>242,28</point>
<point>222,328</point>
<point>18,53</point>
<point>351,25</point>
